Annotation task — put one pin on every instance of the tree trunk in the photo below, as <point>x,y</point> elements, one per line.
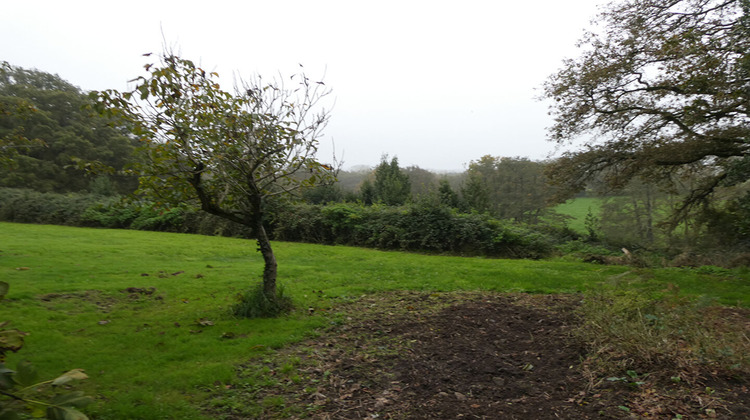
<point>264,246</point>
<point>269,270</point>
<point>649,216</point>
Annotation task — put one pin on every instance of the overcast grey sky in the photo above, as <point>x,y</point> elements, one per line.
<point>436,83</point>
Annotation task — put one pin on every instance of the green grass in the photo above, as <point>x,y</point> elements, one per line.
<point>149,357</point>
<point>577,209</point>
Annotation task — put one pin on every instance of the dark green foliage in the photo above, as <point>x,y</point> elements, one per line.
<point>115,215</point>
<point>446,196</point>
<point>415,227</point>
<point>509,188</point>
<point>592,224</point>
<point>391,186</point>
<point>322,194</point>
<point>60,134</point>
<point>475,192</point>
<point>411,228</point>
<point>256,304</point>
<point>28,206</point>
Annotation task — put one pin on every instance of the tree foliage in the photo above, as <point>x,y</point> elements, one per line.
<point>509,188</point>
<point>229,152</point>
<point>45,129</point>
<point>391,185</point>
<point>662,92</point>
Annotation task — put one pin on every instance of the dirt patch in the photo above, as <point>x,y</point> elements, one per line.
<point>97,298</point>
<point>439,356</point>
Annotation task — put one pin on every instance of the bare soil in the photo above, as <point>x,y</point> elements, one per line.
<point>413,355</point>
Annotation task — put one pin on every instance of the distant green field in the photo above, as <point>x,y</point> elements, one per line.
<point>577,209</point>
<point>85,297</point>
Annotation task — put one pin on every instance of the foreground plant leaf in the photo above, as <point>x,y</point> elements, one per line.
<point>26,374</point>
<point>11,340</point>
<point>74,374</point>
<point>65,413</point>
<point>73,399</point>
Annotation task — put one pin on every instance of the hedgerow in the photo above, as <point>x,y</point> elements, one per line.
<point>413,227</point>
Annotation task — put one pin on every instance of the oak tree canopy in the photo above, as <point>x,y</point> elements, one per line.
<point>661,91</point>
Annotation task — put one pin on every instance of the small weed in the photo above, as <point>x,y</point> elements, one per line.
<point>632,378</point>
<point>273,402</point>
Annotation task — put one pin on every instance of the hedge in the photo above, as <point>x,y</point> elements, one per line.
<point>419,228</point>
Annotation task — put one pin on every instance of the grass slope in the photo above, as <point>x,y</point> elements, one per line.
<point>577,209</point>
<point>151,352</point>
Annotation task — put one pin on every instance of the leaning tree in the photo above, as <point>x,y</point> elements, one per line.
<point>661,91</point>
<point>228,152</point>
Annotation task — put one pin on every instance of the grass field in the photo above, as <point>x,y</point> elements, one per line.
<point>85,296</point>
<point>577,209</point>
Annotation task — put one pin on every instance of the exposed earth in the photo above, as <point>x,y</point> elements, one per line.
<point>412,355</point>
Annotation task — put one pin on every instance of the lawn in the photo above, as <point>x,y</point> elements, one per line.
<point>145,314</point>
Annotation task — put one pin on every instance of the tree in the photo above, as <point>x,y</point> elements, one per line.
<point>446,196</point>
<point>475,192</point>
<point>423,182</point>
<point>227,152</point>
<point>391,186</point>
<point>510,188</point>
<point>632,217</point>
<point>45,129</point>
<point>13,140</point>
<point>662,92</point>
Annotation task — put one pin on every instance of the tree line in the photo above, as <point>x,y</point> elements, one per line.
<point>64,135</point>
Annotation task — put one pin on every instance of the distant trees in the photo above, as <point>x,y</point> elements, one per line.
<point>390,186</point>
<point>633,217</point>
<point>45,129</point>
<point>509,188</point>
<point>661,93</point>
<point>422,182</point>
<point>227,152</point>
<point>506,188</point>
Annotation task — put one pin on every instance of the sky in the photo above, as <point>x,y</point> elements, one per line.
<point>435,83</point>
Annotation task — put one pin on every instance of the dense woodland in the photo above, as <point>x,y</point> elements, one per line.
<point>668,158</point>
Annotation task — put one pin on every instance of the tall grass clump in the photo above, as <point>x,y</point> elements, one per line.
<point>255,303</point>
<point>632,330</point>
